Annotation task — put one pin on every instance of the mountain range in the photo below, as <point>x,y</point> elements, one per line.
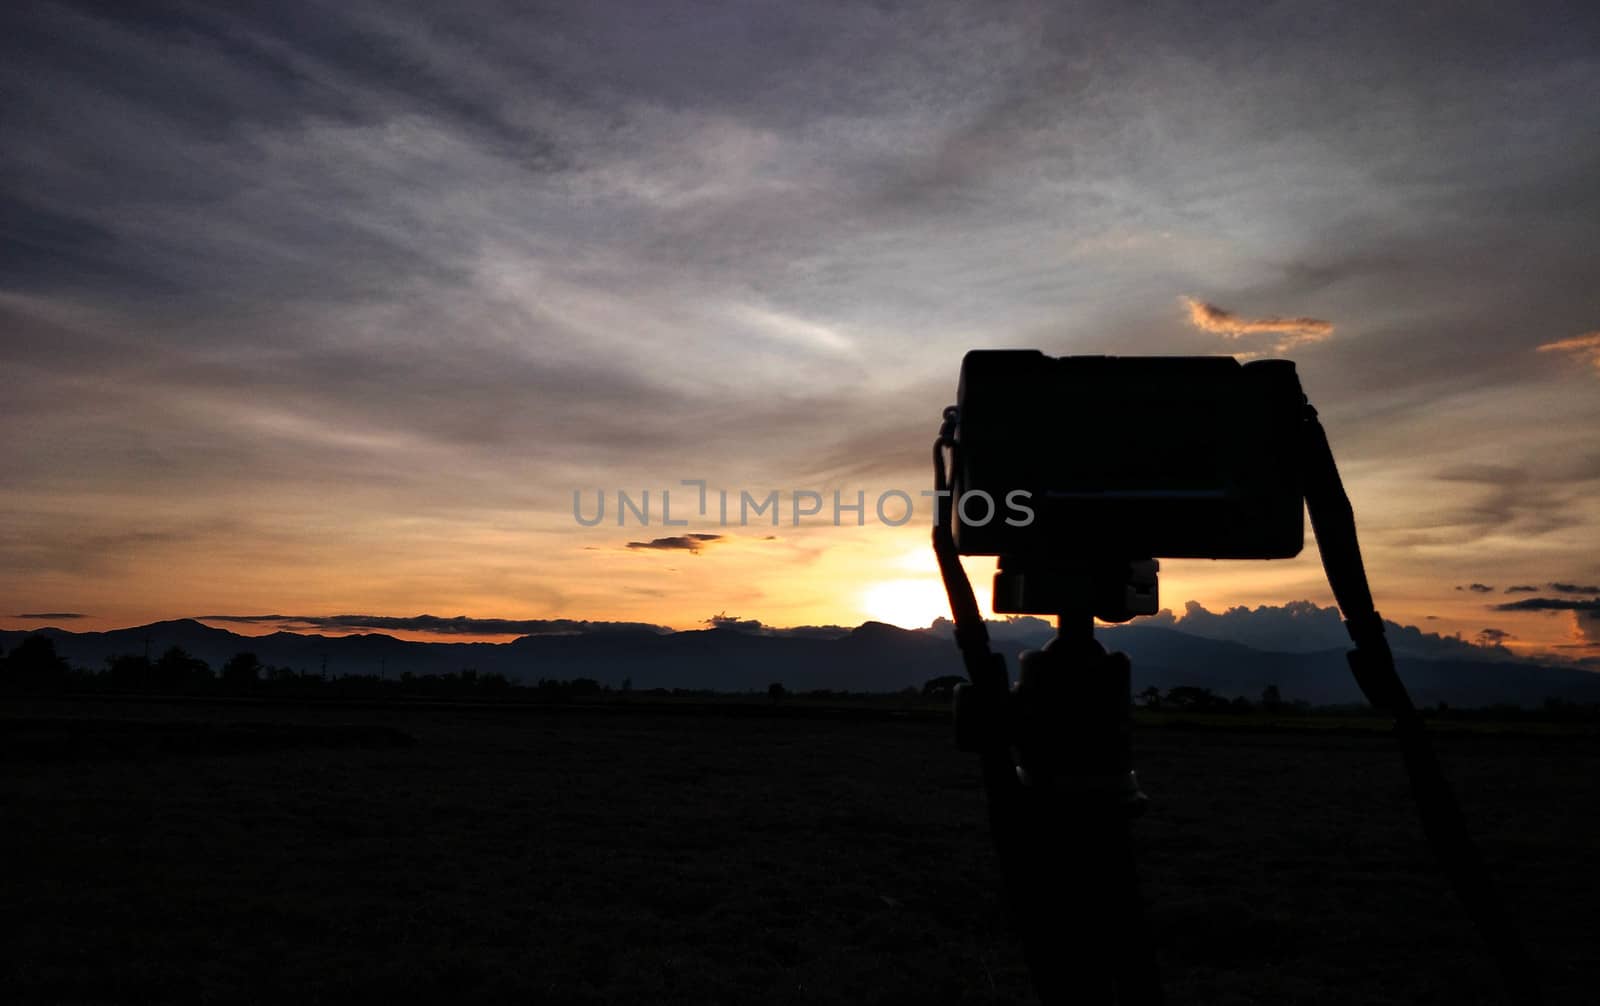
<point>871,657</point>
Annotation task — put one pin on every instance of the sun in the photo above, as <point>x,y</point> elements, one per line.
<point>908,603</point>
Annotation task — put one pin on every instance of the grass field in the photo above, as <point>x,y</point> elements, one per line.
<point>161,852</point>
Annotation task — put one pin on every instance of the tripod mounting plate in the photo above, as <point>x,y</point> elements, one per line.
<point>1111,590</point>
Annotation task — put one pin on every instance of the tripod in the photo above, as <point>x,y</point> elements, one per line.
<point>1057,753</point>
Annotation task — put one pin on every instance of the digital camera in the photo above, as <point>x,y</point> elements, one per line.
<point>1094,458</point>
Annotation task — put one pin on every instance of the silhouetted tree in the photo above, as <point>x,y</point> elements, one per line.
<point>776,691</point>
<point>1271,699</point>
<point>1150,697</point>
<point>34,666</point>
<point>127,672</point>
<point>942,687</point>
<point>242,672</point>
<point>178,671</point>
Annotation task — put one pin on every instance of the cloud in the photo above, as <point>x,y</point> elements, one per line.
<point>1306,627</point>
<point>1497,475</point>
<point>1551,604</point>
<point>1493,637</point>
<point>1575,588</point>
<point>395,274</point>
<point>723,620</point>
<point>1478,588</point>
<point>1585,613</point>
<point>1291,332</point>
<point>1295,627</point>
<point>459,625</point>
<point>752,626</point>
<point>684,542</point>
<point>1499,501</point>
<point>799,332</point>
<point>1522,588</point>
<point>51,615</point>
<point>1584,348</point>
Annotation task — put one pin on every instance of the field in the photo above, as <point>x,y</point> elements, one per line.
<point>194,852</point>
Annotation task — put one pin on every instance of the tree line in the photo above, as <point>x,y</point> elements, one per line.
<point>34,667</point>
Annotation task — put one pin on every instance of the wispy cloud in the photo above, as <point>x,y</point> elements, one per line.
<point>789,329</point>
<point>1290,332</point>
<point>1584,348</point>
<point>51,615</point>
<point>379,291</point>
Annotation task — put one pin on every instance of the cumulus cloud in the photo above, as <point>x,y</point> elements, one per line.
<point>1584,348</point>
<point>1306,627</point>
<point>459,625</point>
<point>1290,332</point>
<point>681,542</point>
<point>1295,627</point>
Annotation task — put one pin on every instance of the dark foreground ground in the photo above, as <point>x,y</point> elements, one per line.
<point>189,852</point>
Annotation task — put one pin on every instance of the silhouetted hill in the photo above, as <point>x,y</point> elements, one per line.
<point>871,657</point>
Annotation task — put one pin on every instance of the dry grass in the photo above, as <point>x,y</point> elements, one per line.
<point>595,856</point>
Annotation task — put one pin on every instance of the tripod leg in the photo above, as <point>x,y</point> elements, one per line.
<point>1070,866</point>
<point>1074,899</point>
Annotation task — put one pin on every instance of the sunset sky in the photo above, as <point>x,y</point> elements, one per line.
<point>330,308</point>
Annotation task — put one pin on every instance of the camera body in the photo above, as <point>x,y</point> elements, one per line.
<point>1127,458</point>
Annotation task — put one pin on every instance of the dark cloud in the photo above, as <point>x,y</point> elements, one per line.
<point>752,626</point>
<point>459,625</point>
<point>1585,613</point>
<point>723,620</point>
<point>1478,588</point>
<point>52,615</point>
<point>1574,588</point>
<point>1522,588</point>
<point>683,542</point>
<point>1493,637</point>
<point>1550,604</point>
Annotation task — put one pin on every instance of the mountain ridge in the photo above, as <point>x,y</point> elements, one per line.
<point>873,656</point>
